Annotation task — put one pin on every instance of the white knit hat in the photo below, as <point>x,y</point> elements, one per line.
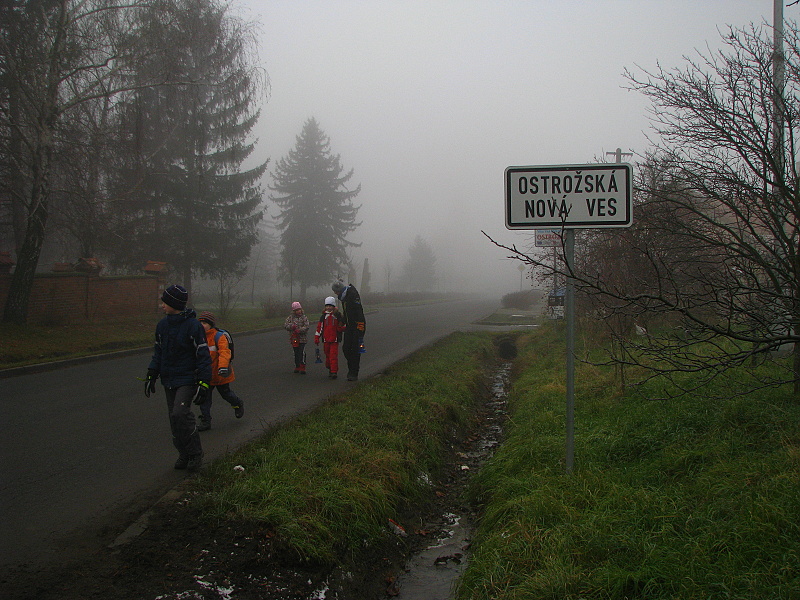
<point>330,300</point>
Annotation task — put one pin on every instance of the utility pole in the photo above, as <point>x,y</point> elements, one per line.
<point>778,83</point>
<point>618,154</point>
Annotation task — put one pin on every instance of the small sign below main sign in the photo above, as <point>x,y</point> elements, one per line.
<point>548,238</point>
<point>569,196</point>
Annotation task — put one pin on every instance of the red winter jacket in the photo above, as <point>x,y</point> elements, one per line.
<point>329,328</point>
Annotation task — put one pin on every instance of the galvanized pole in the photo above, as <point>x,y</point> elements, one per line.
<point>570,310</point>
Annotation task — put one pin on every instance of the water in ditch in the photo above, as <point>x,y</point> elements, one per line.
<point>432,573</point>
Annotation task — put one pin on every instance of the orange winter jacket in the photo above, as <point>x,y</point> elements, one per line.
<point>220,356</point>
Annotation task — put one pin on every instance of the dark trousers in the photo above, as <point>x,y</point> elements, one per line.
<point>299,355</point>
<point>227,394</point>
<point>351,351</point>
<point>185,437</point>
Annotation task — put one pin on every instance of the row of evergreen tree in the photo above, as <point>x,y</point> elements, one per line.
<point>124,134</point>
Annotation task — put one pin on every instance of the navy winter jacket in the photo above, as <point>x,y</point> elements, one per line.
<point>180,354</point>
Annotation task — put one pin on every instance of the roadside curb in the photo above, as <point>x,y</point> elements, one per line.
<point>71,362</point>
<point>140,525</point>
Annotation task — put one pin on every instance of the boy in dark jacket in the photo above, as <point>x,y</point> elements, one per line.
<point>182,361</point>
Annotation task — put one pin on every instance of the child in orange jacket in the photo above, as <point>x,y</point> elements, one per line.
<point>329,330</point>
<point>221,371</point>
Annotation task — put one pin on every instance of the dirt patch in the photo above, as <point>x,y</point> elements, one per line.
<point>178,556</point>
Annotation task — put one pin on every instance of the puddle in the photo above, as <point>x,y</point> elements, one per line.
<point>432,573</point>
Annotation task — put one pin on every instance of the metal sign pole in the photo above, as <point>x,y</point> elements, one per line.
<point>566,197</point>
<point>570,310</point>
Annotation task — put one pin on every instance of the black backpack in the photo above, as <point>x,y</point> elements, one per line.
<point>228,336</point>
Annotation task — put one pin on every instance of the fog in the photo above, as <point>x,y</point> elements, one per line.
<point>429,101</point>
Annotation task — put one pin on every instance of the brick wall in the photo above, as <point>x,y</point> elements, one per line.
<point>79,297</point>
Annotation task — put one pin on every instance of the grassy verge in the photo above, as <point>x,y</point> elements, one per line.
<point>510,316</point>
<point>327,483</point>
<point>697,497</point>
<point>32,344</point>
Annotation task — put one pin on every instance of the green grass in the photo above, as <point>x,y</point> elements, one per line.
<point>327,483</point>
<point>32,344</point>
<point>512,316</point>
<point>695,497</point>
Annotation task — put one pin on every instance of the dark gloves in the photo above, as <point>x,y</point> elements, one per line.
<point>202,393</point>
<point>150,382</point>
<point>223,371</point>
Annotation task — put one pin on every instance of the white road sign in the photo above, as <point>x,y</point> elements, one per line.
<point>571,196</point>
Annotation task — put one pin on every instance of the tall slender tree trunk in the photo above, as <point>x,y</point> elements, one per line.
<point>16,309</point>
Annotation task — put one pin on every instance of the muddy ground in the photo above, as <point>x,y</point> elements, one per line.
<point>177,557</point>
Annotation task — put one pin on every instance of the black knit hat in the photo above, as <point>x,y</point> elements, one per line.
<point>175,296</point>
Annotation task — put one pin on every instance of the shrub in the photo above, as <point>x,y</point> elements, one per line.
<point>520,300</point>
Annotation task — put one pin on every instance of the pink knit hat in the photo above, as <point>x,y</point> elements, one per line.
<point>296,305</point>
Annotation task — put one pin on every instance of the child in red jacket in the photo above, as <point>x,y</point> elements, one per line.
<point>329,330</point>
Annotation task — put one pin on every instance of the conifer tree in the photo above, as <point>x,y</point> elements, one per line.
<point>316,210</point>
<point>420,268</point>
<point>365,277</point>
<point>184,197</point>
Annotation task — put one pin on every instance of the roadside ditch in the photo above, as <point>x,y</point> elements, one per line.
<point>430,550</point>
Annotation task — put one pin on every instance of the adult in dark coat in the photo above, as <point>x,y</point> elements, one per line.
<point>355,326</point>
<point>182,360</point>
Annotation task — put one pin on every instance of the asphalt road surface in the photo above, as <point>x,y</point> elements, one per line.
<point>83,451</point>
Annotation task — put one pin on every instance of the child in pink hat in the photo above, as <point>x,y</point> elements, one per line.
<point>297,325</point>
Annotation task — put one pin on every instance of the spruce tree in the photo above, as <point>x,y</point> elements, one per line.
<point>316,210</point>
<point>184,198</point>
<point>420,268</point>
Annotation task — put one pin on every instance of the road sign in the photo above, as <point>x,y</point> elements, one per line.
<point>569,196</point>
<point>548,238</point>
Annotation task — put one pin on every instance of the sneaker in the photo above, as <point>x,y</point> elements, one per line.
<point>182,462</point>
<point>239,410</point>
<point>332,375</point>
<point>194,462</point>
<point>351,377</point>
<point>205,425</point>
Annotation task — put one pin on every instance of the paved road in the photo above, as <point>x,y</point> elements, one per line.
<point>83,452</point>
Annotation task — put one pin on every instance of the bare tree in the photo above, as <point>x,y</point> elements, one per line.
<point>710,270</point>
<point>55,57</point>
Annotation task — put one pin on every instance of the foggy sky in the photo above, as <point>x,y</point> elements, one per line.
<point>429,101</point>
